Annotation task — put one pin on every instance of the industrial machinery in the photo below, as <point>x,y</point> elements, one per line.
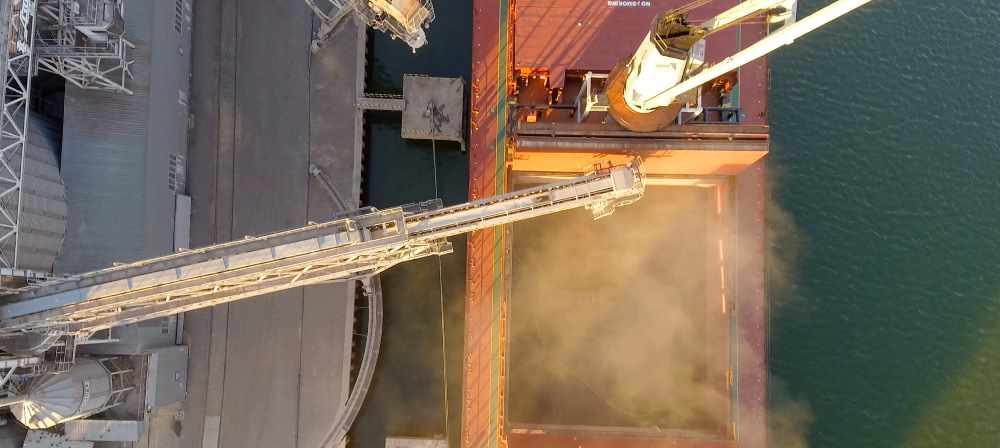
<point>89,387</point>
<point>41,325</point>
<point>83,41</point>
<point>647,91</point>
<point>358,245</point>
<point>402,19</point>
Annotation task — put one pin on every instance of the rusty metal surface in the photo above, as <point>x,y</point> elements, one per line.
<point>753,77</point>
<point>557,35</point>
<point>561,35</point>
<point>587,35</point>
<point>482,405</point>
<point>629,145</point>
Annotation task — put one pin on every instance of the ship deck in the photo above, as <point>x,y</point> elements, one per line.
<point>557,36</point>
<point>554,38</point>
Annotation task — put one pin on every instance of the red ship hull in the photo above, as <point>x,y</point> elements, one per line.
<point>553,41</point>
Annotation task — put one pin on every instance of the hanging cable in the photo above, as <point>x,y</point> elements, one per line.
<point>444,353</point>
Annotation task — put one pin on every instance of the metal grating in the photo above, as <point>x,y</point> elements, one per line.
<point>178,15</point>
<point>61,356</point>
<point>177,174</point>
<point>84,42</point>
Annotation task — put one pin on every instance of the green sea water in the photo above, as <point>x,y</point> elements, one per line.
<point>885,170</point>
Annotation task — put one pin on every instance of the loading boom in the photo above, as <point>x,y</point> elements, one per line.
<point>355,246</point>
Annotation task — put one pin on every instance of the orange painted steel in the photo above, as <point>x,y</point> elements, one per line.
<point>553,36</point>
<point>664,162</point>
<point>482,389</point>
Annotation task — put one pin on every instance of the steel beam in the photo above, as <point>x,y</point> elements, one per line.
<point>14,118</point>
<point>360,245</point>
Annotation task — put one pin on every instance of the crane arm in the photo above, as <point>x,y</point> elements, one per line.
<point>784,36</point>
<point>644,93</point>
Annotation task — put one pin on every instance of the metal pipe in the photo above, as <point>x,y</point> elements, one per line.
<point>778,39</point>
<point>7,377</point>
<point>328,187</point>
<point>628,145</point>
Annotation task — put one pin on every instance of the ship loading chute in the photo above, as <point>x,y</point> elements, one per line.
<point>649,90</point>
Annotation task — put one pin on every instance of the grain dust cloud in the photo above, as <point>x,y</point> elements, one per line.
<point>622,321</point>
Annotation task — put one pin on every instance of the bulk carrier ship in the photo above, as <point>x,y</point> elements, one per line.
<point>647,329</point>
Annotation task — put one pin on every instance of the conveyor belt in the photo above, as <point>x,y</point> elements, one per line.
<point>357,246</point>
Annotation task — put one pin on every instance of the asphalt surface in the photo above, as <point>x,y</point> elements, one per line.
<point>273,370</point>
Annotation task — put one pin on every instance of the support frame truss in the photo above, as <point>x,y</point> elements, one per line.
<point>98,66</point>
<point>346,249</point>
<point>356,245</point>
<point>14,118</point>
<point>225,290</point>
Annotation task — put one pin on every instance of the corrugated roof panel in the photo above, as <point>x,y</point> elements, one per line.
<point>106,160</point>
<point>42,224</point>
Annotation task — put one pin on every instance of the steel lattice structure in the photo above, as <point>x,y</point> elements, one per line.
<point>18,32</point>
<point>356,246</point>
<point>84,42</point>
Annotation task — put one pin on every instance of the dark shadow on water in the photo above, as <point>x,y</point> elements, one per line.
<point>406,397</point>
